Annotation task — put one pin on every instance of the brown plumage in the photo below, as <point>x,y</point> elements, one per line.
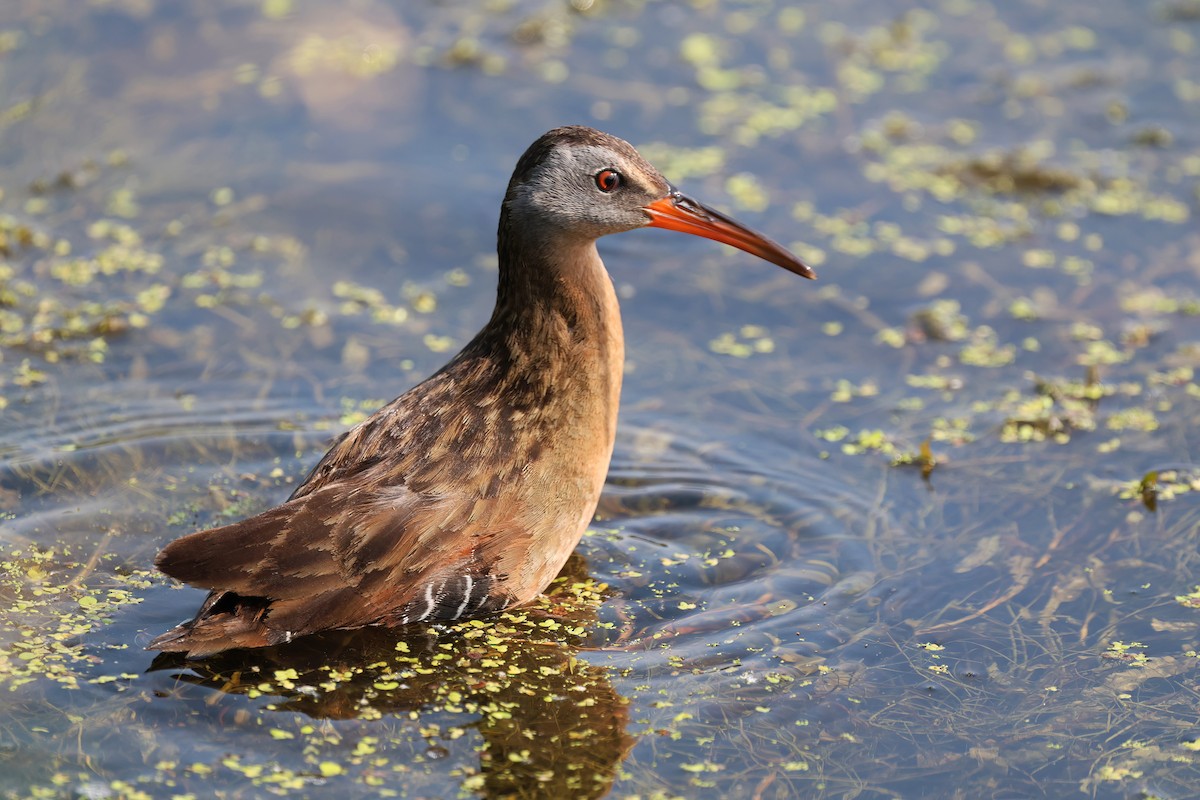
<point>465,495</point>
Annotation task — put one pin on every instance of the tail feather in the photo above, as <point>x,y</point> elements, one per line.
<point>238,622</point>
<point>219,558</point>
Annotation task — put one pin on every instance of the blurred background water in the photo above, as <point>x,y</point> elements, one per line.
<point>926,527</point>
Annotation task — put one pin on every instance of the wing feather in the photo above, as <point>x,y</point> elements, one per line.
<point>322,562</point>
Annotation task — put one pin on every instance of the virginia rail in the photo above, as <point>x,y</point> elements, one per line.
<point>465,495</point>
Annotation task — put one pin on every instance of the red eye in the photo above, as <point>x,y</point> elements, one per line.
<point>607,180</point>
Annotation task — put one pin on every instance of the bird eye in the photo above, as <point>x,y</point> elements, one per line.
<point>607,180</point>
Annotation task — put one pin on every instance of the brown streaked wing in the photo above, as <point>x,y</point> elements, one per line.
<point>401,442</point>
<point>328,562</point>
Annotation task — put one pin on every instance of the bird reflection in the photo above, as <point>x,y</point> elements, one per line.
<point>553,726</point>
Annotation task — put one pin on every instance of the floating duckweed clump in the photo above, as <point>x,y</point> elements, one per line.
<point>742,104</point>
<point>1020,171</point>
<point>1009,189</point>
<point>71,284</point>
<point>855,237</point>
<point>861,442</point>
<point>901,50</point>
<point>1192,598</point>
<point>941,321</point>
<point>984,349</point>
<point>747,192</point>
<point>1162,486</point>
<point>359,299</point>
<point>1041,417</point>
<point>1027,275</point>
<point>1153,300</point>
<point>58,325</point>
<point>51,602</point>
<point>1062,407</point>
<point>747,341</point>
<point>683,163</point>
<point>844,391</point>
<point>355,55</point>
<point>511,689</point>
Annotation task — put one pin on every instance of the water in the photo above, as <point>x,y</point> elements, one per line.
<point>232,229</point>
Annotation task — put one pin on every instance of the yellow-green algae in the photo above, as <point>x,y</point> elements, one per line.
<point>992,361</point>
<point>51,601</point>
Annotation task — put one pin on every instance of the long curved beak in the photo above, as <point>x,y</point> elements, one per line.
<point>678,212</point>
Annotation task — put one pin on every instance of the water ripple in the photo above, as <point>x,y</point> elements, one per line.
<point>745,554</point>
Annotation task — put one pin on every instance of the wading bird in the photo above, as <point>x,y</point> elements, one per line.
<point>465,495</point>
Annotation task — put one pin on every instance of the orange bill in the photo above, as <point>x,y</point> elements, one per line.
<point>678,212</point>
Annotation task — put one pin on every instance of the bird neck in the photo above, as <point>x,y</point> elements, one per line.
<point>554,288</point>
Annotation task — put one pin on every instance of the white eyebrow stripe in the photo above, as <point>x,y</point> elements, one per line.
<point>466,596</point>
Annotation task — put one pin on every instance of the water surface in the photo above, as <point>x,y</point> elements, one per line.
<point>924,528</point>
